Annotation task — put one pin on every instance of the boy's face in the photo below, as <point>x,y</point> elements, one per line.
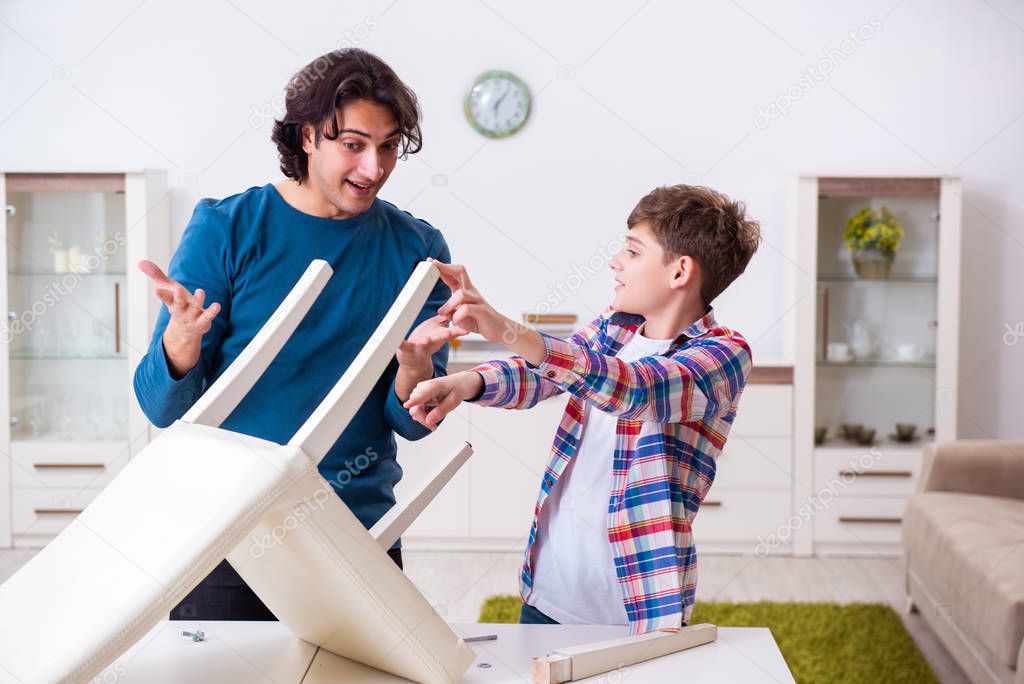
<point>350,170</point>
<point>645,284</point>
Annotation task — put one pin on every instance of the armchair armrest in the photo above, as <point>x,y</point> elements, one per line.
<point>989,467</point>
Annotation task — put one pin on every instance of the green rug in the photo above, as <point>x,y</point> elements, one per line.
<point>821,642</point>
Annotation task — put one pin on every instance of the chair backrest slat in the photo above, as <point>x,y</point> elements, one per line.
<point>221,398</point>
<point>323,427</point>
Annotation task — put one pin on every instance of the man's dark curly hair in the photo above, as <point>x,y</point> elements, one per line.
<point>319,89</point>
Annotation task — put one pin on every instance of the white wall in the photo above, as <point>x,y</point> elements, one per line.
<point>627,97</point>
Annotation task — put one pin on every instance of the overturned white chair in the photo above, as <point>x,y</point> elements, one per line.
<point>198,494</point>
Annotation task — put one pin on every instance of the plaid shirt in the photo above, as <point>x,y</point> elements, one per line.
<point>658,482</point>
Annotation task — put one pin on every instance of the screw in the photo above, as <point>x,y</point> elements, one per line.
<point>197,635</point>
<point>483,665</point>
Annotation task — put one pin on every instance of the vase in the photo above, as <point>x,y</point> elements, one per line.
<point>862,341</point>
<point>873,262</point>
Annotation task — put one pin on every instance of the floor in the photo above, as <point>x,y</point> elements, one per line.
<point>457,583</point>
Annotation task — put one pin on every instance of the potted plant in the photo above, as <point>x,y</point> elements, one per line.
<point>873,239</point>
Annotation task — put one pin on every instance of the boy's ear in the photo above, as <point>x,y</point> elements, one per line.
<point>685,273</point>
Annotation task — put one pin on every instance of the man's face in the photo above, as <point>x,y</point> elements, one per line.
<point>350,170</point>
<point>644,282</point>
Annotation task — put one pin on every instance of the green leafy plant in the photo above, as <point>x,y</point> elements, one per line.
<point>869,229</point>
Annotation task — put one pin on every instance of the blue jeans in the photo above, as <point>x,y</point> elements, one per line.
<point>528,615</point>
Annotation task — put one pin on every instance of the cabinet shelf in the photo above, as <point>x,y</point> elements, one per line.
<point>67,357</point>
<point>878,363</point>
<point>893,278</point>
<point>56,274</point>
<point>835,445</point>
<point>55,439</point>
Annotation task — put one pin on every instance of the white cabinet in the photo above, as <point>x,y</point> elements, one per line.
<point>766,410</point>
<point>512,450</point>
<point>78,319</point>
<point>873,347</point>
<point>749,504</point>
<point>755,463</point>
<point>862,494</point>
<point>490,504</point>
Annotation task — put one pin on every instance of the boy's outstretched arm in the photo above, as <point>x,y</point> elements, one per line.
<point>698,382</point>
<point>695,383</point>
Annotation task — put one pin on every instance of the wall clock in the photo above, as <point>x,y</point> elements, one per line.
<point>497,104</point>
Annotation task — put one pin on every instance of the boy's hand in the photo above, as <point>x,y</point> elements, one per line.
<point>432,400</point>
<point>466,307</point>
<point>469,311</point>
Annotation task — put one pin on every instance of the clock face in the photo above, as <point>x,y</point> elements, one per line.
<point>498,104</point>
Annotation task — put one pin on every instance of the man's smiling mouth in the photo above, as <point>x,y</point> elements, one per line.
<point>361,190</point>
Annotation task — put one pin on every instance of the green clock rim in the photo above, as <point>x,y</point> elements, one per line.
<point>517,82</point>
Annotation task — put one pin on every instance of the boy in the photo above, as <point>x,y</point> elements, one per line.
<point>655,383</point>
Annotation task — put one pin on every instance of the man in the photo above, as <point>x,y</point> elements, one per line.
<point>348,119</point>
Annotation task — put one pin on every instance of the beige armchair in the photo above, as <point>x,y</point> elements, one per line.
<point>963,537</point>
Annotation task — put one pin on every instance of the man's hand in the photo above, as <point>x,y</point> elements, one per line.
<point>189,321</point>
<point>415,362</point>
<point>432,400</point>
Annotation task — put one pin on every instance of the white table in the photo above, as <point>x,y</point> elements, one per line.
<point>252,652</point>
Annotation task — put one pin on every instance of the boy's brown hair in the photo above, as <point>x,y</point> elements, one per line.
<point>695,221</point>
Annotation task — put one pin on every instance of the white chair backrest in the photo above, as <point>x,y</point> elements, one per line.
<point>323,427</point>
<point>221,398</point>
<point>197,493</point>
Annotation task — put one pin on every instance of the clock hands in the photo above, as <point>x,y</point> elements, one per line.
<point>497,103</point>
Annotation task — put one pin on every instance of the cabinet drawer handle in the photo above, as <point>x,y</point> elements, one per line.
<point>876,473</point>
<point>711,503</point>
<point>858,519</point>
<point>100,466</point>
<point>57,511</point>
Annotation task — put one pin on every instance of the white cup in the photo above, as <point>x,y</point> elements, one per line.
<point>910,351</point>
<point>838,351</point>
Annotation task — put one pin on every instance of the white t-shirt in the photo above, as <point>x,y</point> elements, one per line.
<point>574,580</point>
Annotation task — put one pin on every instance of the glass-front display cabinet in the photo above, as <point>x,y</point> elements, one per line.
<point>78,316</point>
<point>878,275</point>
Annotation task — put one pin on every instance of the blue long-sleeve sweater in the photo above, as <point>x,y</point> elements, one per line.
<point>247,251</point>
